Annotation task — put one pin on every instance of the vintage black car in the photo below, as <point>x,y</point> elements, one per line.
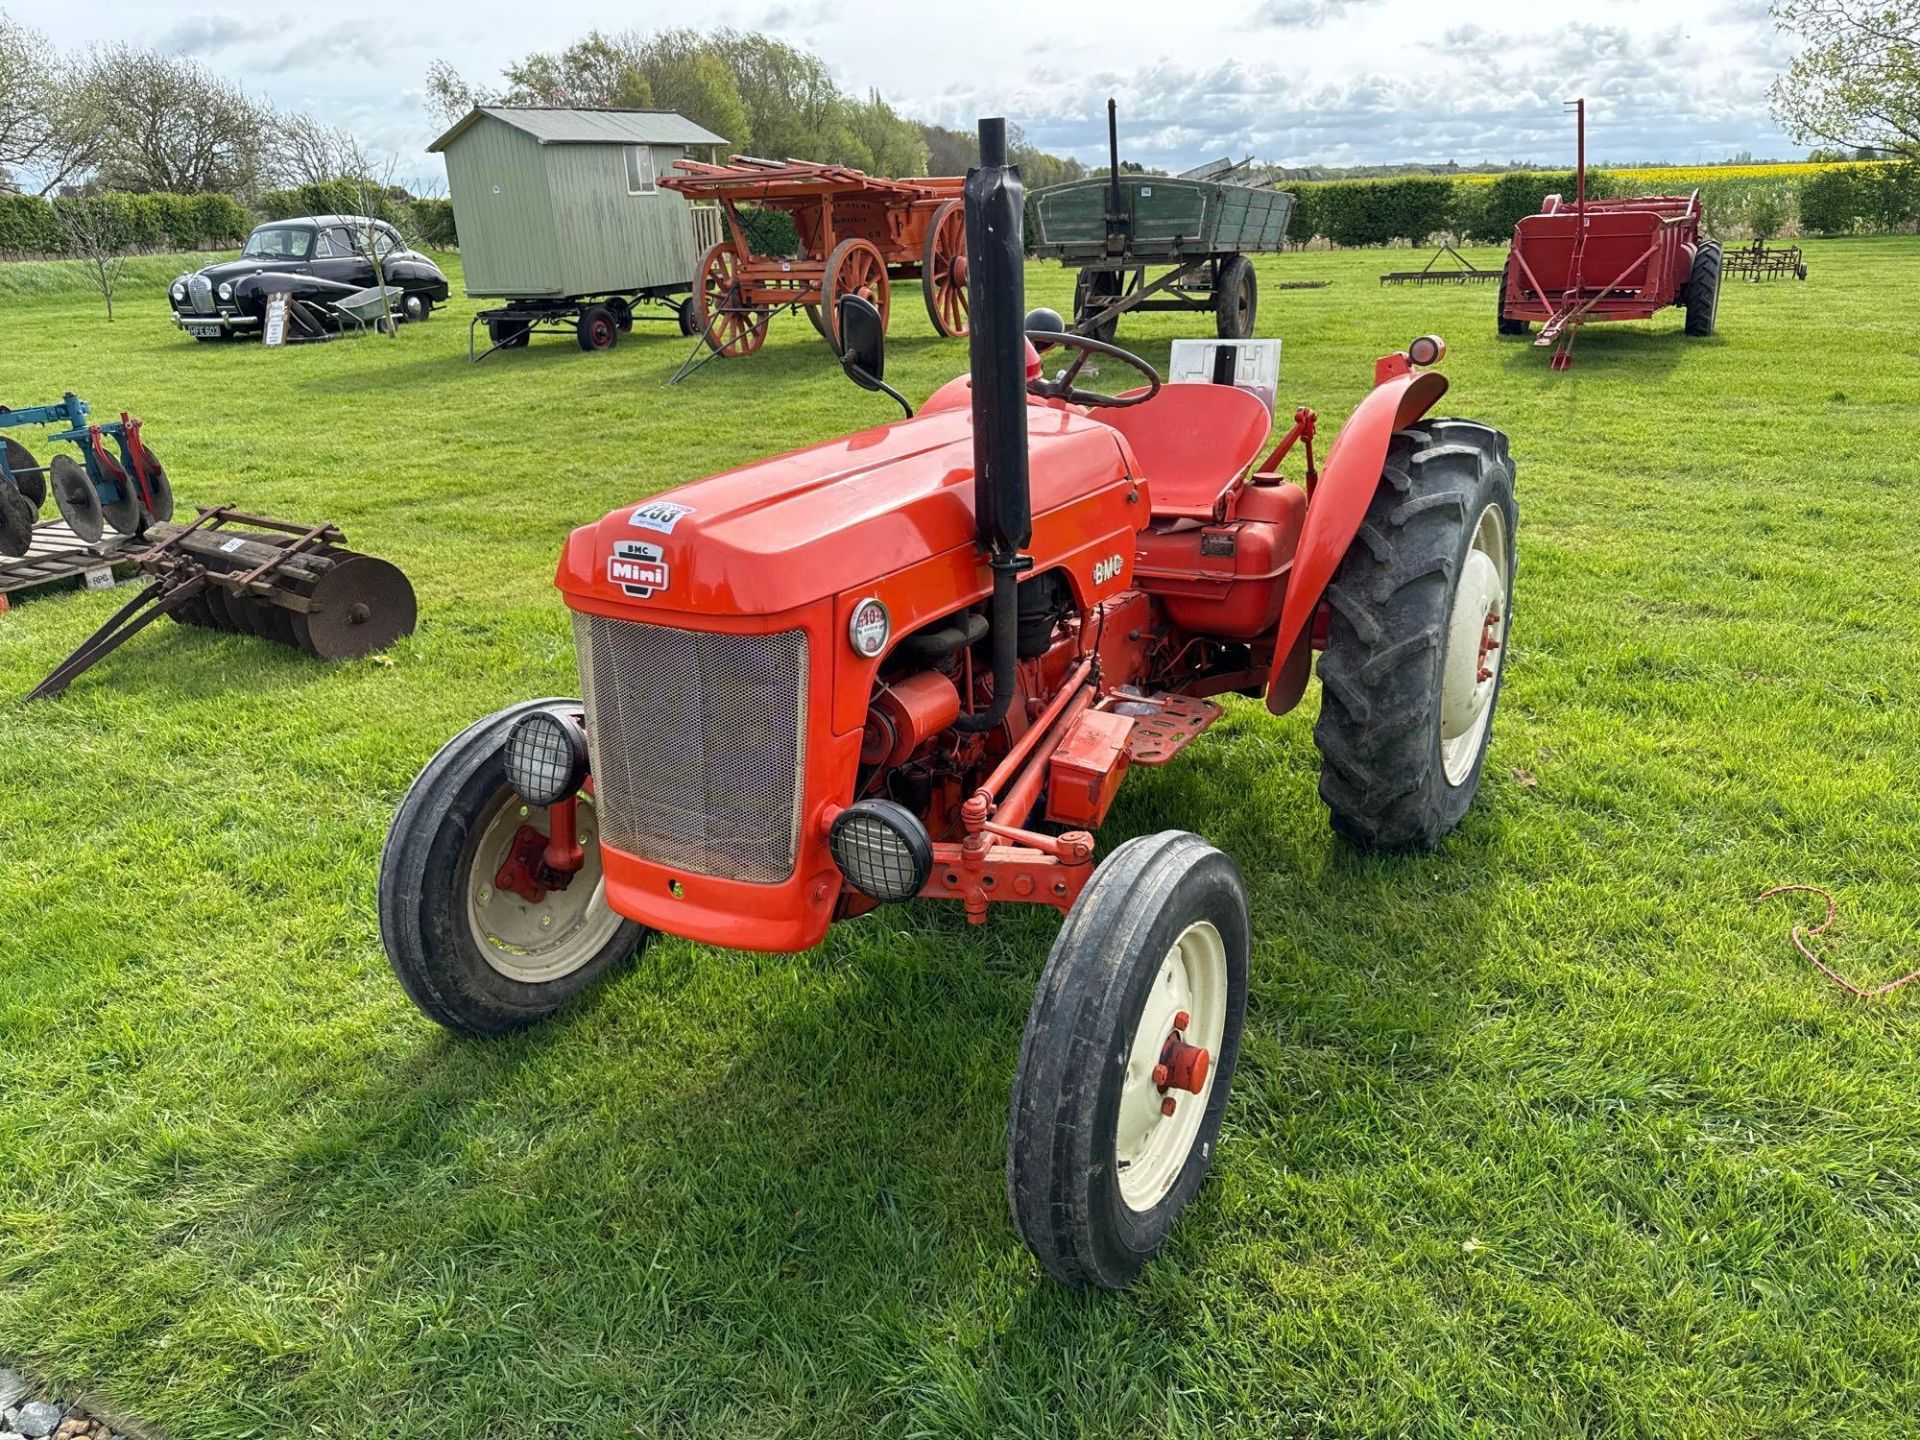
<point>316,257</point>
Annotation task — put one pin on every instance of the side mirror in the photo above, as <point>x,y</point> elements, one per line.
<point>863,346</point>
<point>863,342</point>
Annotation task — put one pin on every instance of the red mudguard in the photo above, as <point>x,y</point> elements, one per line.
<point>1400,396</point>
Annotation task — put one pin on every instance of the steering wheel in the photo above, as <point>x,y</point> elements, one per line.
<point>1061,387</point>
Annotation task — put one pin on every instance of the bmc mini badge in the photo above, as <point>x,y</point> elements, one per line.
<point>637,568</point>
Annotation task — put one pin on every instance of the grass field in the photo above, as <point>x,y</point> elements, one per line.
<point>1548,1133</point>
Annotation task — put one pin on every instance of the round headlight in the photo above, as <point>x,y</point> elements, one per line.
<point>179,291</point>
<point>868,627</point>
<point>882,849</point>
<point>226,289</point>
<point>546,757</point>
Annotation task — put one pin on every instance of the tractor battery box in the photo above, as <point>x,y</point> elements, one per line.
<point>1084,773</point>
<point>1229,579</point>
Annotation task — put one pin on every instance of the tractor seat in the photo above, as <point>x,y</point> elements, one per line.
<point>1192,443</point>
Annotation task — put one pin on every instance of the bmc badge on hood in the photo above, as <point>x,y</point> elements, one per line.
<point>637,568</point>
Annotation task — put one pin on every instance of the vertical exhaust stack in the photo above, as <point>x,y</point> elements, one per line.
<point>997,350</point>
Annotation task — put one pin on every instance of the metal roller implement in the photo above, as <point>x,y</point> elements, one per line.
<point>295,585</point>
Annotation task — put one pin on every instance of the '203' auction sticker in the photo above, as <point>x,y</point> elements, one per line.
<point>660,515</point>
<point>637,568</point>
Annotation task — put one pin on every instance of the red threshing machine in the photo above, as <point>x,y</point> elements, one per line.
<point>917,662</point>
<point>857,233</point>
<point>1607,260</point>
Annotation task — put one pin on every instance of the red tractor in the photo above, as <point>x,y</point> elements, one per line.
<point>916,662</point>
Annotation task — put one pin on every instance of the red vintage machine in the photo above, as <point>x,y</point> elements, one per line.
<point>1607,260</point>
<point>917,662</point>
<point>858,233</point>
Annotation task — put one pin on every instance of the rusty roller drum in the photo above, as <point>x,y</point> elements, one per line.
<point>331,602</point>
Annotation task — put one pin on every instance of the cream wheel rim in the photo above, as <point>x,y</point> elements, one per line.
<point>1151,1146</point>
<point>1476,646</point>
<point>537,943</point>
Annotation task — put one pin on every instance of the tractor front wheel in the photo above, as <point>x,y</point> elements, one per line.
<point>1416,639</point>
<point>1127,1059</point>
<point>1703,289</point>
<point>480,958</point>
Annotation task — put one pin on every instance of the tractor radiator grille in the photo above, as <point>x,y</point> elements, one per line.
<point>698,744</point>
<point>200,293</point>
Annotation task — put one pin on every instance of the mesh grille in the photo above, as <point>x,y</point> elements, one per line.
<point>698,743</point>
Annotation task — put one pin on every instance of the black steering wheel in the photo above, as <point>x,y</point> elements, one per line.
<point>1061,386</point>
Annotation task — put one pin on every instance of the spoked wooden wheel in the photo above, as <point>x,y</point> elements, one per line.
<point>479,958</point>
<point>943,271</point>
<point>732,327</point>
<point>1128,1058</point>
<point>855,267</point>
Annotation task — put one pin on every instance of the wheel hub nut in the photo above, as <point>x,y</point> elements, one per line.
<point>1182,1066</point>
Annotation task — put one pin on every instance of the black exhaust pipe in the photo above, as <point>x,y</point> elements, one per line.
<point>997,352</point>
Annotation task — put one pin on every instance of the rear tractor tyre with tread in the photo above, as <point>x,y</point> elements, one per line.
<point>1236,299</point>
<point>1420,610</point>
<point>479,960</point>
<point>1703,290</point>
<point>1127,1059</point>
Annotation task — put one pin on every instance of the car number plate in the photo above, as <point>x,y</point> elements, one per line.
<point>205,327</point>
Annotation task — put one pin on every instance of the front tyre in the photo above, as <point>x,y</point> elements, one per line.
<point>1419,614</point>
<point>478,959</point>
<point>1127,1059</point>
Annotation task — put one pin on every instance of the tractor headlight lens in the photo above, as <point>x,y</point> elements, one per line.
<point>882,849</point>
<point>546,757</point>
<point>226,289</point>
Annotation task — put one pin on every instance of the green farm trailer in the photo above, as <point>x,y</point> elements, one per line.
<point>1200,227</point>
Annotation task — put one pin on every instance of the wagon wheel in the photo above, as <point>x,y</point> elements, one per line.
<point>732,328</point>
<point>819,321</point>
<point>943,270</point>
<point>855,267</point>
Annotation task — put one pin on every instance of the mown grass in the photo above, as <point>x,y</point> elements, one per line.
<point>1548,1133</point>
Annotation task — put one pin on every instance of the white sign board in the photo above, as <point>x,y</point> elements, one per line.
<point>1248,364</point>
<point>275,330</point>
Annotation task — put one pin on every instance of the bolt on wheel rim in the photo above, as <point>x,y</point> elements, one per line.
<point>523,941</point>
<point>1476,646</point>
<point>1151,1145</point>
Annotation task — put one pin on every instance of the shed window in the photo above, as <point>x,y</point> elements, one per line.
<point>639,170</point>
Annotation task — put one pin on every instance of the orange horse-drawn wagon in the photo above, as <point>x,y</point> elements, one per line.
<point>858,233</point>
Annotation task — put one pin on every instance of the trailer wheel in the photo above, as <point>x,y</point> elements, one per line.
<point>1236,298</point>
<point>1506,326</point>
<point>1127,1059</point>
<point>818,321</point>
<point>683,313</point>
<point>507,334</point>
<point>599,330</point>
<point>622,313</point>
<point>856,267</point>
<point>1420,610</point>
<point>943,269</point>
<point>1703,289</point>
<point>479,960</point>
<point>1096,285</point>
<point>731,327</point>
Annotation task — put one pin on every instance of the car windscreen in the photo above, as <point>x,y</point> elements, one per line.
<point>279,242</point>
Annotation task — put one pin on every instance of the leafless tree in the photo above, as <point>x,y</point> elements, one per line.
<point>49,130</point>
<point>168,123</point>
<point>96,235</point>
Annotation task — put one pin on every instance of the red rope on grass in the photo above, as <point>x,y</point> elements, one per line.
<point>1801,934</point>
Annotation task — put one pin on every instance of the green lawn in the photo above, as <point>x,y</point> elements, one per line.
<point>1549,1133</point>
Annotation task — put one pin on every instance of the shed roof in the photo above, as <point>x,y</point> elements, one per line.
<point>557,125</point>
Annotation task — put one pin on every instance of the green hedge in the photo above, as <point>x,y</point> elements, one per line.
<point>336,197</point>
<point>29,224</point>
<point>1860,199</point>
<point>433,224</point>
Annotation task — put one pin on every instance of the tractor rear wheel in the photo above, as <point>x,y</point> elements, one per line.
<point>479,959</point>
<point>1127,1059</point>
<point>1236,298</point>
<point>1420,610</point>
<point>1506,326</point>
<point>1703,289</point>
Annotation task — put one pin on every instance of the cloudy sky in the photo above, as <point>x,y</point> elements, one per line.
<point>1293,81</point>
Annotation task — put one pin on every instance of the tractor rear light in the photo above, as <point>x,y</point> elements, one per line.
<point>882,849</point>
<point>546,758</point>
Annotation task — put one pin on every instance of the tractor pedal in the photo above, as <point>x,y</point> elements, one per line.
<point>1163,724</point>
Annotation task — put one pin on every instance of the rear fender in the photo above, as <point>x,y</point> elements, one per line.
<point>1400,396</point>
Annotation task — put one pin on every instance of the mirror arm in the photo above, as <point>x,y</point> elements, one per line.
<point>875,382</point>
